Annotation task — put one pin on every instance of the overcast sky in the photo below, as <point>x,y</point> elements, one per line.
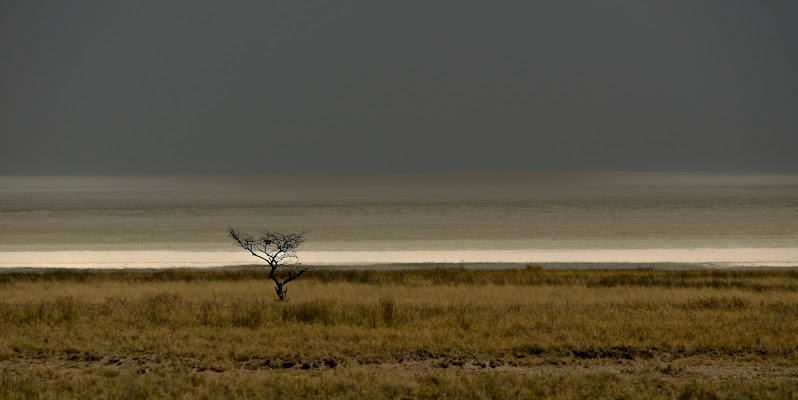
<point>106,87</point>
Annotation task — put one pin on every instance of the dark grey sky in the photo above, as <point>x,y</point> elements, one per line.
<point>100,87</point>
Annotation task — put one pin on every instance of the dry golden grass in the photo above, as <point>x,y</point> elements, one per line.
<point>410,333</point>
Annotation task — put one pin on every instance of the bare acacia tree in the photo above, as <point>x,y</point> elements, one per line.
<point>274,248</point>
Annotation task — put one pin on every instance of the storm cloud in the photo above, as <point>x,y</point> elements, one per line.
<point>97,87</point>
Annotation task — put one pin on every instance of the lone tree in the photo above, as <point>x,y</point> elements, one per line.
<point>274,248</point>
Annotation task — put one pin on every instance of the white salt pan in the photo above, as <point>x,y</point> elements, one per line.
<point>728,257</point>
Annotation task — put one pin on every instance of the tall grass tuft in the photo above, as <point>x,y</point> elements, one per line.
<point>387,308</point>
<point>158,309</point>
<point>248,314</point>
<point>309,312</point>
<point>717,303</point>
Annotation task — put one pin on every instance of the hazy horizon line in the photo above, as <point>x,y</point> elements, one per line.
<point>398,173</point>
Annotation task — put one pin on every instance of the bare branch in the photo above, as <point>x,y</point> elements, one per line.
<point>246,242</point>
<point>291,275</point>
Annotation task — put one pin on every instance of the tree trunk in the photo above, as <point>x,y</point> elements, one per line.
<point>282,293</point>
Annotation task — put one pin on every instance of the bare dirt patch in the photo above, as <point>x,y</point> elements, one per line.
<point>689,368</point>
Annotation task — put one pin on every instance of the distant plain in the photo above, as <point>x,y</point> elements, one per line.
<point>653,217</point>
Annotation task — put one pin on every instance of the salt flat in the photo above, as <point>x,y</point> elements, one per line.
<point>711,257</point>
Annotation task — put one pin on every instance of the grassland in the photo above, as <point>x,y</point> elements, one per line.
<point>424,333</point>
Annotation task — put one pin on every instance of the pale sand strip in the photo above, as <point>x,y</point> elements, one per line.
<point>721,257</point>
